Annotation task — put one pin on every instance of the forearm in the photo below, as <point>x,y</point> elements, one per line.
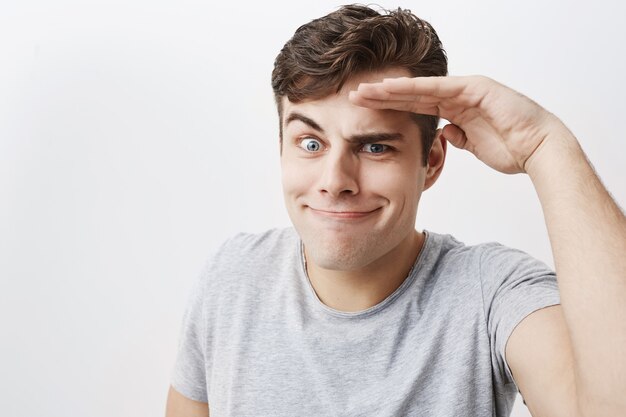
<point>587,232</point>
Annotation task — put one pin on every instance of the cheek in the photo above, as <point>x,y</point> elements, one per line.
<point>296,176</point>
<point>396,182</point>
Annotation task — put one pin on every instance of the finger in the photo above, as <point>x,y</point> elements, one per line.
<point>378,91</point>
<point>407,106</point>
<point>418,101</point>
<point>384,95</point>
<point>442,87</point>
<point>455,135</point>
<point>465,91</point>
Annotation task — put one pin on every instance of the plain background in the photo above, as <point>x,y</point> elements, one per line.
<point>135,136</point>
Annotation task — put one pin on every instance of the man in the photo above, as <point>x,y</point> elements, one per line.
<point>355,312</point>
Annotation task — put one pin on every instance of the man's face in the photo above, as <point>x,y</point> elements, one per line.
<point>352,177</point>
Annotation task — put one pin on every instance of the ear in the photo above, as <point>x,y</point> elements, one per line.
<point>436,158</point>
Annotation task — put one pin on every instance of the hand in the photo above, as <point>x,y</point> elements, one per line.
<point>500,126</point>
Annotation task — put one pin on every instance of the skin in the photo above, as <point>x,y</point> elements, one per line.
<point>567,360</point>
<point>353,196</point>
<point>180,406</point>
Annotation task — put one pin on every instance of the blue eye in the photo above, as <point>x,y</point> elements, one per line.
<point>311,145</point>
<point>374,148</point>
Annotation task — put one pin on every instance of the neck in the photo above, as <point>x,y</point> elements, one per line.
<point>360,289</point>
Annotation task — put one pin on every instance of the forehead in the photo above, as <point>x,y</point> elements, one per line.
<point>337,110</point>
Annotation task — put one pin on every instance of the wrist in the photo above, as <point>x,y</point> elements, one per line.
<point>558,151</point>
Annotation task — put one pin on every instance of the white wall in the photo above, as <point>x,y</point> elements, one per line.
<point>137,135</point>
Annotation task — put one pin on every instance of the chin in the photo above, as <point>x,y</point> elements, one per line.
<point>342,255</point>
<point>335,261</point>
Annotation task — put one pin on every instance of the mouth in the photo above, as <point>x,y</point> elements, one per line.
<point>343,214</point>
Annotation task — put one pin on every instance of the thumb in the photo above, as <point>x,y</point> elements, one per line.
<point>455,135</point>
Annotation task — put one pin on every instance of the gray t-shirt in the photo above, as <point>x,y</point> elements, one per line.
<point>256,340</point>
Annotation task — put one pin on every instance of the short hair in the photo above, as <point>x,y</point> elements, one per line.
<point>324,53</point>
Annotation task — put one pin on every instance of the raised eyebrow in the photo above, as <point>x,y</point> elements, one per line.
<point>293,116</point>
<point>375,137</point>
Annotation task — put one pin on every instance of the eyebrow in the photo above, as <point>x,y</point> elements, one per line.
<point>293,116</point>
<point>364,138</point>
<point>375,137</point>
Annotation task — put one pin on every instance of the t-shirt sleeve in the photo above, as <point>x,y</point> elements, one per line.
<point>514,285</point>
<point>189,374</point>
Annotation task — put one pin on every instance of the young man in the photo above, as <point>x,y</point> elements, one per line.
<point>354,312</point>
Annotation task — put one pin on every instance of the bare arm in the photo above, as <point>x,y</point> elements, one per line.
<point>583,354</point>
<point>180,406</point>
<point>588,237</point>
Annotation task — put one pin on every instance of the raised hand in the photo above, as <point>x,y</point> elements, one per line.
<point>502,127</point>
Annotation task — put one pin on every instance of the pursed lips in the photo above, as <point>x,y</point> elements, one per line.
<point>343,213</point>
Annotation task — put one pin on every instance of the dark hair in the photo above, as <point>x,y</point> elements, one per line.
<point>324,53</point>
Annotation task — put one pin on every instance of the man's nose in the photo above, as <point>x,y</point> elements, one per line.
<point>340,174</point>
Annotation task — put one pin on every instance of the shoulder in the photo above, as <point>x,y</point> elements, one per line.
<point>257,245</point>
<point>490,263</point>
<point>500,260</point>
<point>453,253</point>
<point>245,256</point>
<point>490,255</point>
